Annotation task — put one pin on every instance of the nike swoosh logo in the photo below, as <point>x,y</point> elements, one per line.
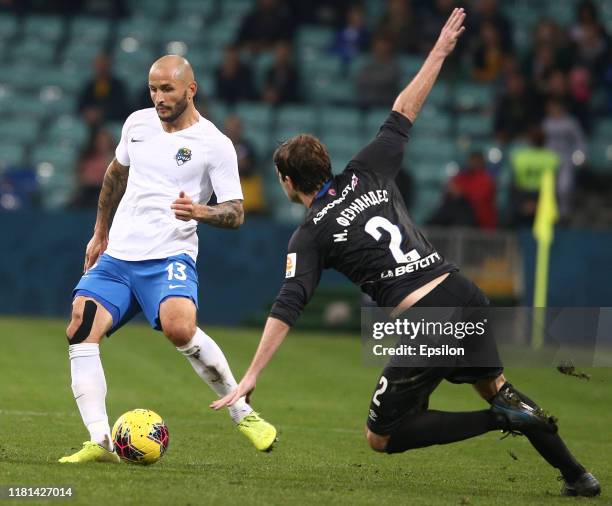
<point>136,140</point>
<point>176,286</point>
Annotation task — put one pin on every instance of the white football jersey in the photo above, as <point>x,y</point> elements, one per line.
<point>196,160</point>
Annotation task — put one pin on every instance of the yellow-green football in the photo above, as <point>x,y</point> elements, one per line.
<point>140,436</point>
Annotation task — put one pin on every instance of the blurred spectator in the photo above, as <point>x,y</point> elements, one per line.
<point>591,48</point>
<point>488,12</point>
<point>233,78</point>
<point>488,53</point>
<point>401,26</point>
<point>269,22</point>
<point>528,163</point>
<point>103,98</point>
<point>542,64</point>
<point>281,83</point>
<point>558,89</point>
<point>580,92</point>
<point>251,181</point>
<point>586,14</point>
<point>469,199</point>
<point>377,81</point>
<point>353,37</point>
<point>580,84</point>
<point>245,152</point>
<point>586,17</point>
<point>548,33</point>
<point>92,165</point>
<point>516,109</point>
<point>549,52</point>
<point>591,42</point>
<point>564,136</point>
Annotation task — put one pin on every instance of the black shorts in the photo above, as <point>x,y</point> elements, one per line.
<point>403,391</point>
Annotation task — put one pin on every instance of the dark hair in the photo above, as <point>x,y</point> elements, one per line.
<point>305,159</point>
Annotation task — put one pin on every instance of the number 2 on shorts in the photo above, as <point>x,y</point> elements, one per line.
<point>383,386</point>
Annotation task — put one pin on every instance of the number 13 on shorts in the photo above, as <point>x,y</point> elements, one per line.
<point>176,270</point>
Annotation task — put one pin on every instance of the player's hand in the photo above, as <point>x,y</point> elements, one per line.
<point>183,207</point>
<point>95,247</point>
<point>245,388</point>
<point>450,33</point>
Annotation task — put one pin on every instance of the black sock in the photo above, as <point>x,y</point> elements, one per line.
<point>441,427</point>
<point>551,446</point>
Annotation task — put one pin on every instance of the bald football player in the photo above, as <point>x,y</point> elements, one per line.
<point>142,255</point>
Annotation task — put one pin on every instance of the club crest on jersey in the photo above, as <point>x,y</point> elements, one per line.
<point>182,155</point>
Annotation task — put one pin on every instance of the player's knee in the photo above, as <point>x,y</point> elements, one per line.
<point>75,322</point>
<point>81,322</point>
<point>179,332</point>
<point>377,442</point>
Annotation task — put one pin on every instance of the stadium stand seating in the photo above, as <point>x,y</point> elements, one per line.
<point>46,59</point>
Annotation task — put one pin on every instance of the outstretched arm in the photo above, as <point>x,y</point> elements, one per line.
<point>113,188</point>
<point>410,101</point>
<point>385,153</point>
<point>274,334</point>
<point>302,275</point>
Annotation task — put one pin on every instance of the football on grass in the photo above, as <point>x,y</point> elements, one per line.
<point>140,436</point>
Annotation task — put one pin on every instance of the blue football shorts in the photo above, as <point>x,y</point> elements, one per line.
<point>125,288</point>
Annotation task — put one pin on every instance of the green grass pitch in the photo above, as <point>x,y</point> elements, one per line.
<point>317,393</point>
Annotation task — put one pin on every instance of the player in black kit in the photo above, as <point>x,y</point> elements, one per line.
<point>357,224</point>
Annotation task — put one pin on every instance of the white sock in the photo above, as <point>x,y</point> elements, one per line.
<point>211,365</point>
<point>89,388</point>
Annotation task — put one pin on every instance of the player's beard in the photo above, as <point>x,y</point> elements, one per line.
<point>178,109</point>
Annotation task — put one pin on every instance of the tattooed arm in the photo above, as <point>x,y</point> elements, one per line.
<point>113,188</point>
<point>229,214</point>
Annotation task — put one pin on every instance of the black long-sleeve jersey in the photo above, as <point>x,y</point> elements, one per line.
<point>358,225</point>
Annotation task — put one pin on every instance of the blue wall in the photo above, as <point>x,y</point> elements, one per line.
<point>41,256</point>
<point>580,273</point>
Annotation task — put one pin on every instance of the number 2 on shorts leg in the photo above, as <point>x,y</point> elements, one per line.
<point>381,390</point>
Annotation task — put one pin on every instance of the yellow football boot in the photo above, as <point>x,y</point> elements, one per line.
<point>91,452</point>
<point>260,433</point>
